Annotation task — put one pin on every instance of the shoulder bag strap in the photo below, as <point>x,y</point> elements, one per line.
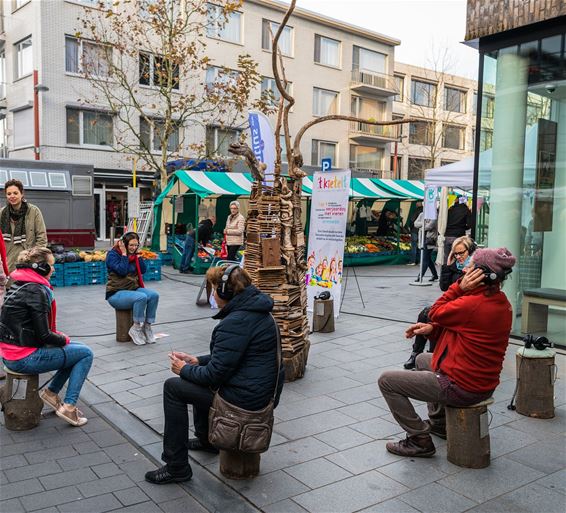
<point>278,354</point>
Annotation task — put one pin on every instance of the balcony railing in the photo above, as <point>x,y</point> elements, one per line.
<point>383,131</point>
<point>370,172</point>
<point>377,80</point>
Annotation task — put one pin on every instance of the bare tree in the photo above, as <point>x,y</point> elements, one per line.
<point>147,62</point>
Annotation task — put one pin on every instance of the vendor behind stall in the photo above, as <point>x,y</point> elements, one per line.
<point>205,232</point>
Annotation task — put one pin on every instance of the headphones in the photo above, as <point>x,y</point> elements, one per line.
<point>224,290</point>
<point>123,238</point>
<point>491,276</point>
<point>473,247</point>
<point>41,268</point>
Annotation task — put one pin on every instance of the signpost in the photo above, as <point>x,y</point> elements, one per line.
<point>326,164</point>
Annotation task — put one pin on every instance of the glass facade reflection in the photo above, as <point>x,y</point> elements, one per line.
<point>521,186</point>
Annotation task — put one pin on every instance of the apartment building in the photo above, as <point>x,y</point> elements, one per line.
<point>446,106</point>
<point>333,67</point>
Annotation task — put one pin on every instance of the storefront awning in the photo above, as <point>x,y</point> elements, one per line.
<point>413,189</point>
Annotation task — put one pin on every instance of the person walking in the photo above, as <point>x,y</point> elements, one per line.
<point>204,233</point>
<point>30,342</point>
<point>430,238</point>
<point>415,253</point>
<point>125,288</point>
<point>458,221</point>
<point>21,223</point>
<point>234,231</point>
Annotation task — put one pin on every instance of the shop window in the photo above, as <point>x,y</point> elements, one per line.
<point>24,58</point>
<point>327,51</point>
<point>323,150</point>
<point>154,71</point>
<point>453,137</point>
<point>285,44</point>
<point>324,102</point>
<point>89,128</point>
<point>423,93</point>
<point>222,25</point>
<point>86,57</point>
<point>420,132</point>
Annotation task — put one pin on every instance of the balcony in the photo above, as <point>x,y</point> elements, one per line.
<point>364,132</point>
<point>364,172</point>
<point>378,84</point>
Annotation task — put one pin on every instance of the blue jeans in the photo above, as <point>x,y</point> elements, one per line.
<point>188,252</point>
<point>71,362</point>
<point>142,301</point>
<point>415,251</point>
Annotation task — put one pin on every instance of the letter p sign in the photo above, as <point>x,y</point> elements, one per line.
<point>326,164</point>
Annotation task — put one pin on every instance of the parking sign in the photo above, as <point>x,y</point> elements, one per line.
<point>326,164</point>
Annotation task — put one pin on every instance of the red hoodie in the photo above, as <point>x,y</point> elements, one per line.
<point>3,256</point>
<point>472,333</point>
<point>12,352</point>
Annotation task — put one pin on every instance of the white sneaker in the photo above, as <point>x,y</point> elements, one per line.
<point>137,335</point>
<point>148,332</point>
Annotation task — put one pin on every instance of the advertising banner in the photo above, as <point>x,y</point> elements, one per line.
<point>263,141</point>
<point>327,233</point>
<point>430,197</point>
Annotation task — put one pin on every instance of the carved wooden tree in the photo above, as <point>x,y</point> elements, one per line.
<point>275,247</point>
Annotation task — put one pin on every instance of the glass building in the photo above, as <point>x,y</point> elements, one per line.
<point>520,165</point>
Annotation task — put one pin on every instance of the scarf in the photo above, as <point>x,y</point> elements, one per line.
<point>136,260</point>
<point>19,218</point>
<point>460,266</point>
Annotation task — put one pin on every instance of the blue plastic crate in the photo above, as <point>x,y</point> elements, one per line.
<point>57,280</point>
<point>73,266</point>
<point>95,280</point>
<point>94,266</point>
<point>152,275</point>
<point>74,280</point>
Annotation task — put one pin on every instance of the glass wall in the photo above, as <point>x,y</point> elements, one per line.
<point>522,171</point>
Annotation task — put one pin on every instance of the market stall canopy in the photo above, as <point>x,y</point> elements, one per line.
<point>408,189</point>
<point>360,188</point>
<point>456,174</point>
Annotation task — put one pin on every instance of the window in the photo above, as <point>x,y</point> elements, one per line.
<point>3,176</point>
<point>454,100</point>
<point>323,150</point>
<point>327,51</point>
<point>22,176</point>
<point>3,75</point>
<point>38,178</point>
<point>270,92</point>
<point>23,128</point>
<point>20,3</point>
<point>417,167</point>
<point>81,185</point>
<point>24,58</point>
<point>58,180</point>
<point>366,158</point>
<point>324,102</point>
<point>400,88</point>
<point>368,108</point>
<point>420,132</point>
<point>150,134</point>
<point>453,137</point>
<point>86,127</point>
<point>487,106</point>
<point>475,103</point>
<point>87,57</point>
<point>486,139</point>
<point>154,71</point>
<point>423,93</point>
<point>269,29</point>
<point>218,140</point>
<point>222,25</point>
<point>368,61</point>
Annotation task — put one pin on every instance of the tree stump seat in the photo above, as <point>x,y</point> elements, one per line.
<point>20,400</point>
<point>467,433</point>
<point>124,321</point>
<point>239,465</point>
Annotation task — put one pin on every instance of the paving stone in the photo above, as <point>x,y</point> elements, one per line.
<point>143,507</point>
<point>21,488</point>
<point>379,428</point>
<point>95,425</point>
<point>107,438</point>
<point>131,496</point>
<point>72,477</point>
<point>505,439</point>
<point>317,473</point>
<point>556,481</point>
<point>106,470</point>
<point>30,471</point>
<point>285,506</point>
<point>391,506</point>
<point>358,394</point>
<point>160,493</point>
<point>293,453</point>
<point>269,488</point>
<point>313,424</point>
<point>123,453</point>
<point>86,447</point>
<point>185,504</point>
<point>306,407</point>
<point>435,498</point>
<point>362,458</point>
<point>547,456</point>
<point>98,504</point>
<point>362,411</point>
<point>343,438</point>
<point>22,447</point>
<point>119,387</point>
<point>106,485</point>
<point>12,506</point>
<point>351,494</point>
<point>50,498</point>
<point>17,460</point>
<point>84,460</point>
<point>413,472</point>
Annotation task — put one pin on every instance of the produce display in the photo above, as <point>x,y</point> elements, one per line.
<point>372,244</point>
<point>75,255</point>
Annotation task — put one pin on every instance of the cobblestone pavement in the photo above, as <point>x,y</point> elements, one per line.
<point>328,449</point>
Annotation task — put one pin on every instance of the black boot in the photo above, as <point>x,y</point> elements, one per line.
<point>196,444</point>
<point>411,362</point>
<point>164,475</point>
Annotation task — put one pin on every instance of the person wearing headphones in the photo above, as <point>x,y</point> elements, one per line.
<point>125,288</point>
<point>462,250</point>
<point>242,366</point>
<point>30,342</point>
<point>234,231</point>
<point>471,323</point>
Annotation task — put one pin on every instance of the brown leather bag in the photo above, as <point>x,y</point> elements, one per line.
<point>232,428</point>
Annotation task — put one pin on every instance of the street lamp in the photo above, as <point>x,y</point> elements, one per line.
<point>37,88</point>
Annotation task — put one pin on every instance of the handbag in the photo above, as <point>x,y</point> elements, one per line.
<point>224,249</point>
<point>232,428</point>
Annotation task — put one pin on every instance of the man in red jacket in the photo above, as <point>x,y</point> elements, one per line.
<point>471,323</point>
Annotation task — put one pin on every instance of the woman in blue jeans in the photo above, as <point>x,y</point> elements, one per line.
<point>30,342</point>
<point>125,289</point>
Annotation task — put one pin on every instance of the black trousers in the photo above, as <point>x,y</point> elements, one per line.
<point>428,263</point>
<point>233,252</point>
<point>177,394</point>
<point>420,340</point>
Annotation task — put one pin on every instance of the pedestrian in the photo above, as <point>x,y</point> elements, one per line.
<point>21,223</point>
<point>242,366</point>
<point>4,272</point>
<point>458,222</point>
<point>204,233</point>
<point>462,249</point>
<point>430,238</point>
<point>415,253</point>
<point>30,342</point>
<point>234,231</point>
<point>471,323</point>
<point>125,289</point>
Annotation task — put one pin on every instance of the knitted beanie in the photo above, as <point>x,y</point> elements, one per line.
<point>497,259</point>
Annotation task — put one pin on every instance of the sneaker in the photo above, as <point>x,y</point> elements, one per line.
<point>72,415</point>
<point>434,278</point>
<point>163,475</point>
<point>148,333</point>
<point>50,399</point>
<point>195,444</point>
<point>412,263</point>
<point>418,446</point>
<point>436,429</point>
<point>411,362</point>
<point>137,335</point>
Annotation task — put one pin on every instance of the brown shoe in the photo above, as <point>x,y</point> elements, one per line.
<point>50,399</point>
<point>72,415</point>
<point>436,430</point>
<point>417,446</point>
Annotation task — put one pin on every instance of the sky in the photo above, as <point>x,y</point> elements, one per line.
<point>425,28</point>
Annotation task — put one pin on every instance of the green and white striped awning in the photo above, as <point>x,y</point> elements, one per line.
<point>413,189</point>
<point>360,188</point>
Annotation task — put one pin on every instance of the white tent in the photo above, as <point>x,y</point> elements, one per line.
<point>457,174</point>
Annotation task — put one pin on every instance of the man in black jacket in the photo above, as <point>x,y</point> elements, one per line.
<point>204,231</point>
<point>459,220</point>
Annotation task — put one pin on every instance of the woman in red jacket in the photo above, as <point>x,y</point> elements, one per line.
<point>471,323</point>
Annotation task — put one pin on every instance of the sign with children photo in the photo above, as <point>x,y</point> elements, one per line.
<point>327,233</point>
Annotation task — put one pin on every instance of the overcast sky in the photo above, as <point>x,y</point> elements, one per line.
<point>421,25</point>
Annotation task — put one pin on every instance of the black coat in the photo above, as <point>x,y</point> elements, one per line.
<point>448,275</point>
<point>458,220</point>
<point>24,318</point>
<point>243,353</point>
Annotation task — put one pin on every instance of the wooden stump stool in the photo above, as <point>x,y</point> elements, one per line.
<point>239,465</point>
<point>323,315</point>
<point>124,321</point>
<point>20,401</point>
<point>467,432</point>
<point>536,373</point>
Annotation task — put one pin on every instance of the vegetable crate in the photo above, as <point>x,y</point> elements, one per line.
<point>58,277</point>
<point>95,273</point>
<point>74,273</point>
<point>153,270</point>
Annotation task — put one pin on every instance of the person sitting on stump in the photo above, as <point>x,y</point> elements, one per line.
<point>471,323</point>
<point>242,367</point>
